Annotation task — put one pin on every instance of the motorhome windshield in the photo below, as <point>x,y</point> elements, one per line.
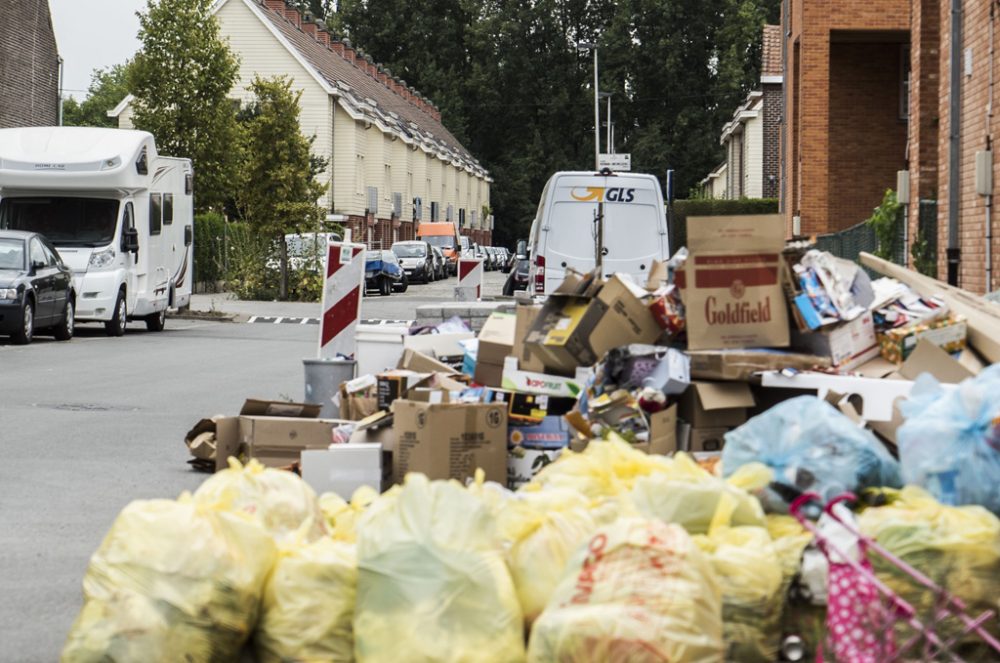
<point>65,221</point>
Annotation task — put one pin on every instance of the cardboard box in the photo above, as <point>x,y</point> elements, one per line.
<point>848,344</point>
<point>576,327</point>
<point>549,433</point>
<point>228,442</point>
<point>395,384</point>
<point>421,363</point>
<point>450,440</point>
<point>706,439</point>
<point>343,468</point>
<point>443,347</point>
<point>741,365</point>
<point>542,383</point>
<point>663,432</point>
<point>530,408</point>
<point>496,342</point>
<point>358,398</point>
<point>947,333</point>
<point>525,318</point>
<point>715,404</point>
<point>731,282</point>
<point>278,441</point>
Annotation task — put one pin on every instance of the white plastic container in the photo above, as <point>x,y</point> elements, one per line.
<point>379,347</point>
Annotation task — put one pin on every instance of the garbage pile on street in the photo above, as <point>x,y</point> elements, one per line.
<point>758,454</point>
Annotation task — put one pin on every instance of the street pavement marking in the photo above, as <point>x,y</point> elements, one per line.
<point>288,320</point>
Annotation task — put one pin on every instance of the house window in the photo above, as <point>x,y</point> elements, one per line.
<point>387,181</point>
<point>904,82</point>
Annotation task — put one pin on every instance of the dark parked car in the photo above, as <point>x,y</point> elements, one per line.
<point>383,273</point>
<point>416,259</point>
<point>36,288</point>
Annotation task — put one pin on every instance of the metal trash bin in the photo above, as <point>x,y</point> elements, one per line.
<point>323,378</point>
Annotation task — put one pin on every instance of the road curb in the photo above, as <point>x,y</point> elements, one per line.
<point>210,316</point>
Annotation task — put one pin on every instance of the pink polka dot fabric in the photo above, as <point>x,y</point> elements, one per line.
<point>859,629</point>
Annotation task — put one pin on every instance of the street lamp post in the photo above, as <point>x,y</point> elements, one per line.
<point>585,46</point>
<point>607,141</point>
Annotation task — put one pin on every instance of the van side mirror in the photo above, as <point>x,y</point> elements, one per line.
<point>130,240</point>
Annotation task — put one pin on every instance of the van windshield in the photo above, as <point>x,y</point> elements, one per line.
<point>65,221</point>
<point>440,241</point>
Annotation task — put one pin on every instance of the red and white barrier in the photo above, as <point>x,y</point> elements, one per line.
<point>470,280</point>
<point>342,293</point>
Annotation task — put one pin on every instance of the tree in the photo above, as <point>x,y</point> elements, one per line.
<point>107,88</point>
<point>181,79</point>
<point>277,190</point>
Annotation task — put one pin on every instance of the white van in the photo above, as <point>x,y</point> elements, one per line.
<point>120,215</point>
<point>564,232</point>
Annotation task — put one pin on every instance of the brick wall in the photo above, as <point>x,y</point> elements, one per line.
<point>975,131</point>
<point>29,70</point>
<point>807,183</point>
<point>867,135</point>
<point>772,140</point>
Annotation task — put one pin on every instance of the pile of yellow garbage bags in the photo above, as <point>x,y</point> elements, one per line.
<point>609,554</point>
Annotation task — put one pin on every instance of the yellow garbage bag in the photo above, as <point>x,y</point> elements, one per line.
<point>605,468</point>
<point>691,497</point>
<point>542,529</point>
<point>342,517</point>
<point>638,591</point>
<point>789,539</point>
<point>749,571</point>
<point>956,547</point>
<point>279,500</point>
<point>308,604</point>
<point>432,581</point>
<point>172,581</point>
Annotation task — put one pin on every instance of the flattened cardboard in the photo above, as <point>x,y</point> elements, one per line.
<point>527,360</point>
<point>227,442</point>
<point>847,345</point>
<point>741,365</point>
<point>443,347</point>
<point>450,440</point>
<point>414,360</point>
<point>731,282</point>
<point>715,404</point>
<point>927,357</point>
<point>259,408</point>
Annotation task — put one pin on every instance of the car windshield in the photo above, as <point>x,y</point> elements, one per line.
<point>12,254</point>
<point>440,241</point>
<point>65,221</point>
<point>410,250</point>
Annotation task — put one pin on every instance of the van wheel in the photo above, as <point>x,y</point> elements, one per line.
<point>24,335</point>
<point>156,321</point>
<point>116,325</point>
<point>64,330</point>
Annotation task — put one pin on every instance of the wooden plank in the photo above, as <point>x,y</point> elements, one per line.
<point>983,317</point>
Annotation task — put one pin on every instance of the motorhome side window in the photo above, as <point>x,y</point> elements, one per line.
<point>155,213</point>
<point>168,209</point>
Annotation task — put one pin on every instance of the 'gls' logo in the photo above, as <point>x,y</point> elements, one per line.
<point>599,194</point>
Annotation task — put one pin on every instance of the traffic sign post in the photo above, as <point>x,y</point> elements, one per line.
<point>342,294</point>
<point>470,280</point>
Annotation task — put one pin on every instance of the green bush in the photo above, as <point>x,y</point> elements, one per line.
<point>682,209</point>
<point>885,221</point>
<point>209,248</point>
<point>251,259</point>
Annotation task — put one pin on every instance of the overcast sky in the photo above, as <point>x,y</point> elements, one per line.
<point>92,34</point>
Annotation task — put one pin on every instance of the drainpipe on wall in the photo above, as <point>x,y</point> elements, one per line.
<point>59,109</point>
<point>954,142</point>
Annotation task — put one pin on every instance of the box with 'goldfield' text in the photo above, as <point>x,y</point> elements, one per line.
<point>731,282</point>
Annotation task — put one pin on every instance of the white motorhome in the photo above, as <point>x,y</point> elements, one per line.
<point>120,215</point>
<point>564,234</point>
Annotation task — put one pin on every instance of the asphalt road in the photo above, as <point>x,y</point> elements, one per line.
<point>90,425</point>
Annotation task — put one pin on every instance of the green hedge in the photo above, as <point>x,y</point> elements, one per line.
<point>209,247</point>
<point>682,209</point>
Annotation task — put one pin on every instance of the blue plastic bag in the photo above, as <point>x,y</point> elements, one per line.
<point>810,446</point>
<point>949,443</point>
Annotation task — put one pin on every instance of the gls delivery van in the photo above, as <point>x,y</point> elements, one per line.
<point>120,215</point>
<point>564,232</point>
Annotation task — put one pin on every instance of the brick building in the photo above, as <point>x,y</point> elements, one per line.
<point>845,123</point>
<point>29,65</point>
<point>751,140</point>
<point>951,126</point>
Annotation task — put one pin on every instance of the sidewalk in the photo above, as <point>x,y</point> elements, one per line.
<point>226,302</point>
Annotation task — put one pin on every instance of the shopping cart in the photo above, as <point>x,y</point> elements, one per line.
<point>947,606</point>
